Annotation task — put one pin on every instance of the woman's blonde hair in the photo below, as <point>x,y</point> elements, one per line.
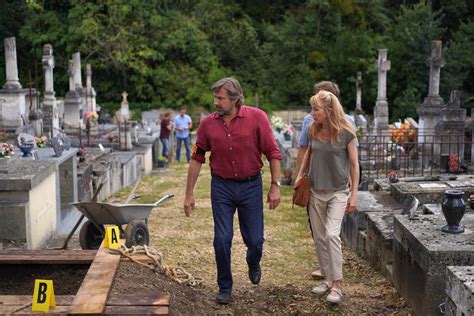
<point>337,122</point>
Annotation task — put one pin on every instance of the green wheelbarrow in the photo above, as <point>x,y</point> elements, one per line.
<point>98,214</point>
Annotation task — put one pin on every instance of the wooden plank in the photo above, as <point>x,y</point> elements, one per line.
<point>116,300</point>
<point>92,295</point>
<point>139,300</point>
<point>7,310</point>
<point>136,310</point>
<point>46,252</point>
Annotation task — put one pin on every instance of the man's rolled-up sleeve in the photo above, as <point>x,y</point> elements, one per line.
<point>268,144</point>
<point>201,146</point>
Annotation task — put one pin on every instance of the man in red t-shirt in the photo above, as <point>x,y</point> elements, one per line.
<point>165,128</point>
<point>237,136</point>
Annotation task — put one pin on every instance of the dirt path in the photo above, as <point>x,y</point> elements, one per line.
<point>286,265</point>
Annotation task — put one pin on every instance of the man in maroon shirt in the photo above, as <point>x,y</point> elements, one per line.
<point>165,128</point>
<point>237,136</point>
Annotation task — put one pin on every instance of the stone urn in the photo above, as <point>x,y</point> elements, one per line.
<point>453,210</point>
<point>26,149</point>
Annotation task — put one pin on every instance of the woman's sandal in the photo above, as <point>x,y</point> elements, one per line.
<point>334,298</point>
<point>321,289</point>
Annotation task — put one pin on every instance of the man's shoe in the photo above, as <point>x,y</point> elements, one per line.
<point>224,298</point>
<point>255,274</point>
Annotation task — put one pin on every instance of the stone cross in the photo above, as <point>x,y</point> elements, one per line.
<point>359,92</point>
<point>48,66</point>
<point>11,66</point>
<point>383,65</point>
<point>89,87</point>
<point>455,99</point>
<point>76,58</point>
<point>381,106</point>
<point>124,98</point>
<point>436,62</point>
<point>124,110</point>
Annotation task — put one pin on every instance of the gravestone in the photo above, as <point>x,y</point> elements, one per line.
<point>124,112</point>
<point>381,106</point>
<point>429,111</point>
<point>460,291</point>
<point>50,108</point>
<point>358,108</point>
<point>450,128</point>
<point>72,104</point>
<point>12,95</point>
<point>57,146</point>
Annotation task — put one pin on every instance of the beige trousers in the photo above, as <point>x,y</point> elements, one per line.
<point>326,210</point>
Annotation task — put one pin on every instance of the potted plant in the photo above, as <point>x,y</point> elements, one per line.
<point>288,131</point>
<point>162,162</point>
<point>277,123</point>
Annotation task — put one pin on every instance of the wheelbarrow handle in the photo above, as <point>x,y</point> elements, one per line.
<point>164,198</point>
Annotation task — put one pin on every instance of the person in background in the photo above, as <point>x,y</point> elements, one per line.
<point>165,130</point>
<point>237,136</point>
<point>332,160</point>
<point>183,124</point>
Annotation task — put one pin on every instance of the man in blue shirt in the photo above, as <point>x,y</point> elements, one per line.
<point>183,124</point>
<point>303,140</point>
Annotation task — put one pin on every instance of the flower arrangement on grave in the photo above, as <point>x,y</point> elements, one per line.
<point>6,150</point>
<point>41,141</point>
<point>288,131</point>
<point>91,119</point>
<point>404,134</point>
<point>392,176</point>
<point>277,123</point>
<point>454,165</point>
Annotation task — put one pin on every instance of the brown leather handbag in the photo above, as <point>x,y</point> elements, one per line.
<point>302,193</point>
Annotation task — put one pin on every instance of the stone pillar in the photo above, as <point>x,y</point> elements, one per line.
<point>358,92</point>
<point>72,104</point>
<point>11,66</point>
<point>12,96</point>
<point>50,109</point>
<point>381,106</point>
<point>76,58</point>
<point>429,111</point>
<point>90,92</point>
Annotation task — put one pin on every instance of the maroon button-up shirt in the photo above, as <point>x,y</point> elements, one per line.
<point>236,149</point>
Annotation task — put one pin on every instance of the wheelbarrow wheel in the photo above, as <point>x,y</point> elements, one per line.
<point>137,234</point>
<point>89,236</point>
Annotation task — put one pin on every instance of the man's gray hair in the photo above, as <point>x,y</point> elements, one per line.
<point>233,88</point>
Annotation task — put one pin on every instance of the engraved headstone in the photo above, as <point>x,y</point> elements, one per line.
<point>381,106</point>
<point>57,146</point>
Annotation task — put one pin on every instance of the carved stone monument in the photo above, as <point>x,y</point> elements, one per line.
<point>124,112</point>
<point>381,106</point>
<point>12,94</point>
<point>429,111</point>
<point>50,109</point>
<point>358,108</point>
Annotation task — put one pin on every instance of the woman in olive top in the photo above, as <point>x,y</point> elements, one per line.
<point>333,160</point>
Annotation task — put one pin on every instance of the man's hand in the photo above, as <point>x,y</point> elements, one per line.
<point>351,204</point>
<point>273,196</point>
<point>189,204</point>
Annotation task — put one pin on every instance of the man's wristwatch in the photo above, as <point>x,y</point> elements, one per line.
<point>276,182</point>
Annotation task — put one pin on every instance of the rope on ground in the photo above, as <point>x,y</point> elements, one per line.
<point>177,274</point>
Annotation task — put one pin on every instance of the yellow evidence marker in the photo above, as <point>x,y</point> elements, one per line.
<point>112,237</point>
<point>43,296</point>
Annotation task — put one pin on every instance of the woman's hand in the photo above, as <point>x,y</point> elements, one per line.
<point>351,204</point>
<point>298,181</point>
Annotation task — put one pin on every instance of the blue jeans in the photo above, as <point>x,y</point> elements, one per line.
<point>166,145</point>
<point>179,140</point>
<point>226,197</point>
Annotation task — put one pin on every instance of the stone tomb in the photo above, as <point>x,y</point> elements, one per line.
<point>131,167</point>
<point>460,291</point>
<point>28,194</point>
<point>421,253</point>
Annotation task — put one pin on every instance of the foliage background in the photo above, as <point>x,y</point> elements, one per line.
<point>168,53</point>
